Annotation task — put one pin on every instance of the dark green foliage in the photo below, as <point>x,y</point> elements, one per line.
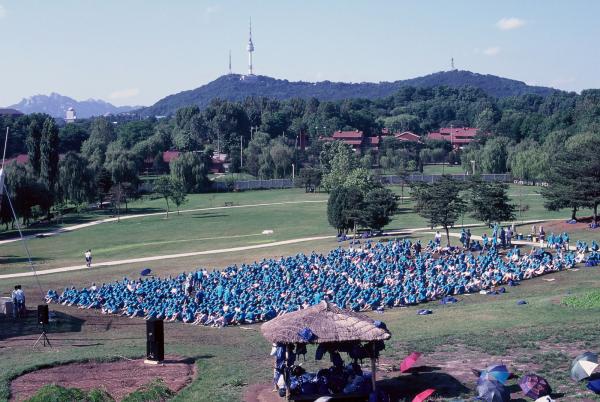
<point>72,136</point>
<point>49,154</point>
<point>191,168</point>
<point>230,87</point>
<point>309,178</point>
<point>154,391</point>
<point>440,203</point>
<point>344,208</point>
<point>574,175</point>
<point>489,202</point>
<point>33,141</point>
<point>76,179</point>
<point>378,207</point>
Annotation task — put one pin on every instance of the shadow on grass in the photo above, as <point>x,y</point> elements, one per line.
<point>410,385</point>
<point>60,323</point>
<point>209,215</point>
<point>13,259</point>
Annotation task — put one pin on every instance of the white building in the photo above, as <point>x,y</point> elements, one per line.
<point>71,116</point>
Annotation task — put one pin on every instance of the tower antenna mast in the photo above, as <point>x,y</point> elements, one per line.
<point>452,63</point>
<point>250,48</point>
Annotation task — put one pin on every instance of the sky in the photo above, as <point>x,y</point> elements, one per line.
<point>135,52</point>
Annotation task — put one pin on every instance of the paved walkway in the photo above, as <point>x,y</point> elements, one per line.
<point>125,217</point>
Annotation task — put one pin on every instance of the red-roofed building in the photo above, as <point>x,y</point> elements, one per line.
<point>21,159</point>
<point>170,156</point>
<point>458,137</point>
<point>353,138</point>
<point>407,136</point>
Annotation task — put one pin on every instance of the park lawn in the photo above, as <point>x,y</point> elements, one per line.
<point>443,169</point>
<point>219,228</point>
<point>543,335</point>
<point>155,204</point>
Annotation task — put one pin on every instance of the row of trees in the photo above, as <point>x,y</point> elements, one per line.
<point>222,125</point>
<point>442,203</point>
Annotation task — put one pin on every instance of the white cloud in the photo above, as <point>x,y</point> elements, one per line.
<point>2,11</point>
<point>125,93</point>
<point>492,51</point>
<point>209,11</point>
<point>506,24</point>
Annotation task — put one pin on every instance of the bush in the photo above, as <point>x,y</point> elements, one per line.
<point>153,391</point>
<point>586,300</point>
<point>56,393</point>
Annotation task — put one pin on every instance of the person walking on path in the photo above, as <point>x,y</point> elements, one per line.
<point>88,258</point>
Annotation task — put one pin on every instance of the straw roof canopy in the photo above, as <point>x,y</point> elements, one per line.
<point>328,322</point>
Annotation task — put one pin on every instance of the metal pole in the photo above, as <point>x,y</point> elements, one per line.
<point>373,369</point>
<point>241,153</point>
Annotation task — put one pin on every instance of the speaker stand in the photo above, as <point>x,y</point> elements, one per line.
<point>44,338</point>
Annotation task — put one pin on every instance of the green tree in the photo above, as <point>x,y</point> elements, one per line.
<point>494,155</point>
<point>343,208</point>
<point>191,168</point>
<point>178,194</point>
<point>341,164</point>
<point>49,155</point>
<point>164,186</point>
<point>309,178</point>
<point>490,202</point>
<point>94,148</point>
<point>378,207</point>
<point>33,140</point>
<point>76,179</point>
<point>574,175</point>
<point>440,203</point>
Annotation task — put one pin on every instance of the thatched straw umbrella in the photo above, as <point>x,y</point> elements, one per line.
<point>329,324</point>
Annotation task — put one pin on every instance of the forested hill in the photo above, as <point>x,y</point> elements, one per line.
<point>231,87</point>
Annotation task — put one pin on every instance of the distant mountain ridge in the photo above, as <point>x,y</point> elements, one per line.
<point>56,105</point>
<point>232,87</point>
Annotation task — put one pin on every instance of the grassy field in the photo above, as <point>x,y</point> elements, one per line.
<point>301,215</point>
<point>443,169</point>
<point>542,336</point>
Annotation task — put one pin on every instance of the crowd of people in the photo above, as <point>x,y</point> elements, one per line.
<point>373,276</point>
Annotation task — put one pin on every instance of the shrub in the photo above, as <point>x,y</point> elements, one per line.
<point>153,391</point>
<point>56,393</point>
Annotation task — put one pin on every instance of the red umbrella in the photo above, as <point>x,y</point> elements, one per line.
<point>409,361</point>
<point>423,395</point>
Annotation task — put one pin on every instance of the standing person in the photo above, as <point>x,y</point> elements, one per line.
<point>438,238</point>
<point>88,258</point>
<point>503,237</point>
<point>542,236</point>
<point>468,239</point>
<point>19,302</point>
<point>13,296</point>
<point>509,235</point>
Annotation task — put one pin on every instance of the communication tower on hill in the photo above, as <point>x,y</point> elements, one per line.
<point>250,48</point>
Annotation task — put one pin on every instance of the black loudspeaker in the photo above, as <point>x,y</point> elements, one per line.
<point>155,340</point>
<point>42,314</point>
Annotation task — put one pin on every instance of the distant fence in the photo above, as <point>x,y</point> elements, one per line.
<point>242,185</point>
<point>432,178</point>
